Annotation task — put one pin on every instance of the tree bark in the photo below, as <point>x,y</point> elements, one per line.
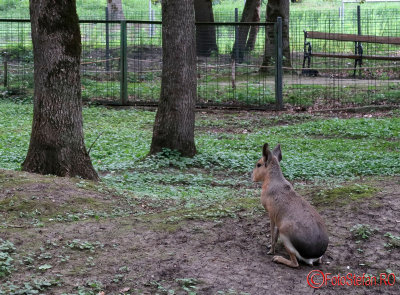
<point>115,11</point>
<point>174,123</point>
<point>251,41</point>
<point>249,15</point>
<point>57,145</point>
<point>206,40</point>
<point>276,8</point>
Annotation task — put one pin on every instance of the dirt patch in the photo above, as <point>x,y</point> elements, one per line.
<point>162,253</point>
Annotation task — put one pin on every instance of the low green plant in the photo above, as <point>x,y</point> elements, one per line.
<point>188,285</point>
<point>82,245</point>
<point>33,287</point>
<point>6,260</point>
<point>362,231</point>
<point>159,286</point>
<point>394,241</point>
<point>231,292</point>
<point>96,286</point>
<point>45,267</point>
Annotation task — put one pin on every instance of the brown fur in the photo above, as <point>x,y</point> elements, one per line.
<point>292,218</point>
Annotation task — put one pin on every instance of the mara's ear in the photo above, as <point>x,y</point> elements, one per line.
<point>266,153</point>
<point>277,152</point>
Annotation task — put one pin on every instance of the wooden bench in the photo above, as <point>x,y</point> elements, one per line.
<point>358,55</point>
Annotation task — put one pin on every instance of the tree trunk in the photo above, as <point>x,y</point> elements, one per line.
<point>248,15</point>
<point>115,10</point>
<point>276,8</point>
<point>206,41</point>
<point>251,41</point>
<point>174,123</point>
<point>57,145</point>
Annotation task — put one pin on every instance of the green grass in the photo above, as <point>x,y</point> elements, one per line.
<point>313,149</point>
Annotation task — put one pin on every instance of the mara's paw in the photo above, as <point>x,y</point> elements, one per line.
<point>271,250</point>
<point>277,259</point>
<point>281,260</point>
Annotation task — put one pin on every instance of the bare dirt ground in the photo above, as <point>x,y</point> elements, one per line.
<point>155,252</point>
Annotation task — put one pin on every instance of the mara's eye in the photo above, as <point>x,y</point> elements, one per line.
<point>258,165</point>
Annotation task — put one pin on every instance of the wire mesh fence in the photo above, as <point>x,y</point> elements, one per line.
<point>123,64</point>
<point>16,74</point>
<point>112,72</point>
<point>331,79</point>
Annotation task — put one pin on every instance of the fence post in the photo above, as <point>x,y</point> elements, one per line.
<point>151,18</point>
<point>342,15</point>
<point>236,35</point>
<point>278,63</point>
<point>124,65</point>
<point>357,45</point>
<point>358,19</point>
<point>107,41</point>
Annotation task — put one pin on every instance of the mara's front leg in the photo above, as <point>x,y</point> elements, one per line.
<point>274,237</point>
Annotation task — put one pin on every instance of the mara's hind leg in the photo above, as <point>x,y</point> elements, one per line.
<point>290,249</point>
<point>292,262</point>
<point>318,262</point>
<point>274,238</point>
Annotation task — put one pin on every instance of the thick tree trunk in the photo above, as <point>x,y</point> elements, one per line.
<point>276,8</point>
<point>248,15</point>
<point>174,123</point>
<point>115,10</point>
<point>57,145</point>
<point>206,41</point>
<point>251,41</point>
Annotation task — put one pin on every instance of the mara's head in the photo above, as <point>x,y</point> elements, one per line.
<point>268,157</point>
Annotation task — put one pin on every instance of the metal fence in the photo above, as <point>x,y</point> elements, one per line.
<point>331,81</point>
<point>122,62</point>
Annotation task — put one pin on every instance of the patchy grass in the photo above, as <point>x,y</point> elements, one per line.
<point>314,148</point>
<point>38,201</point>
<point>29,200</point>
<point>343,195</point>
